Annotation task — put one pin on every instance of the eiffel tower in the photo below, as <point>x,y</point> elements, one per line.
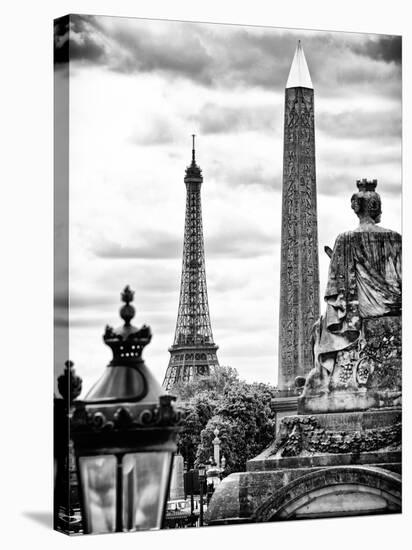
<point>193,352</point>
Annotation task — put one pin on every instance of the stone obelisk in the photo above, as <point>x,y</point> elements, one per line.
<point>299,279</point>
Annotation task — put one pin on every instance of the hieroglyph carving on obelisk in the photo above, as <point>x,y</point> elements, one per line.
<point>299,283</point>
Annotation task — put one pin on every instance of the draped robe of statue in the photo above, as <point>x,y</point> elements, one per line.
<point>365,280</point>
<point>356,343</point>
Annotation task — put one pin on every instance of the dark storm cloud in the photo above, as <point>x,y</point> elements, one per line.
<point>212,118</point>
<point>227,284</point>
<point>258,174</point>
<point>217,119</point>
<point>231,242</point>
<point>344,183</point>
<point>80,300</point>
<point>158,247</point>
<point>253,57</point>
<point>159,283</point>
<point>75,37</point>
<point>390,188</point>
<point>384,48</point>
<point>161,322</point>
<point>88,322</point>
<point>360,124</point>
<point>84,300</point>
<point>63,322</point>
<point>129,49</point>
<point>375,157</point>
<point>228,56</point>
<point>181,52</point>
<point>150,280</point>
<point>240,243</point>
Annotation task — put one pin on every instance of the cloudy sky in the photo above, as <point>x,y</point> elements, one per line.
<point>138,90</point>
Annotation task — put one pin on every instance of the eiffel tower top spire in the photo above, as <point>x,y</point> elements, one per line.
<point>193,149</point>
<point>299,75</point>
<point>193,171</point>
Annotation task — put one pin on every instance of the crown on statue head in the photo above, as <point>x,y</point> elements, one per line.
<point>127,342</point>
<point>366,185</point>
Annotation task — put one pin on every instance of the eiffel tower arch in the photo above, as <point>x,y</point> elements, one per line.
<point>193,352</point>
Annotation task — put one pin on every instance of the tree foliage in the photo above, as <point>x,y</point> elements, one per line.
<point>241,411</point>
<point>214,384</point>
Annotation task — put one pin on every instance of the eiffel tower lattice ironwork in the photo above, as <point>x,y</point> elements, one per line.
<point>193,352</point>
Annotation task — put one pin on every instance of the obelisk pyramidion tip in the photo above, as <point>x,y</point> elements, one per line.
<point>299,75</point>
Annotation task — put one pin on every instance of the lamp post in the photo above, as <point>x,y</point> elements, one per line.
<point>124,435</point>
<point>192,501</point>
<point>65,480</point>
<point>202,477</point>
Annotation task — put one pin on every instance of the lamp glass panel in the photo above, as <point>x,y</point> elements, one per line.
<point>98,475</point>
<point>145,480</point>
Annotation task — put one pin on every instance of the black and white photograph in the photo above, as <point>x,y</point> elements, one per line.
<point>227,274</point>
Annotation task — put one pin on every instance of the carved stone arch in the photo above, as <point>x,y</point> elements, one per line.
<point>338,491</point>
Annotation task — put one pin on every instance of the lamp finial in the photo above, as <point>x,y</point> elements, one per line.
<point>127,312</point>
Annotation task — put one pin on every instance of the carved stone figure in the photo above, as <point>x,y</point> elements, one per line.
<point>357,342</point>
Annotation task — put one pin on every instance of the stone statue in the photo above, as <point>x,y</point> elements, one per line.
<point>357,342</point>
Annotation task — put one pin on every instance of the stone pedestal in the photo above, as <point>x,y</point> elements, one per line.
<point>341,454</point>
<point>285,404</point>
<point>320,465</point>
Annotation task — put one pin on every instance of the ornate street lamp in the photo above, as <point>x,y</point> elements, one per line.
<point>124,434</point>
